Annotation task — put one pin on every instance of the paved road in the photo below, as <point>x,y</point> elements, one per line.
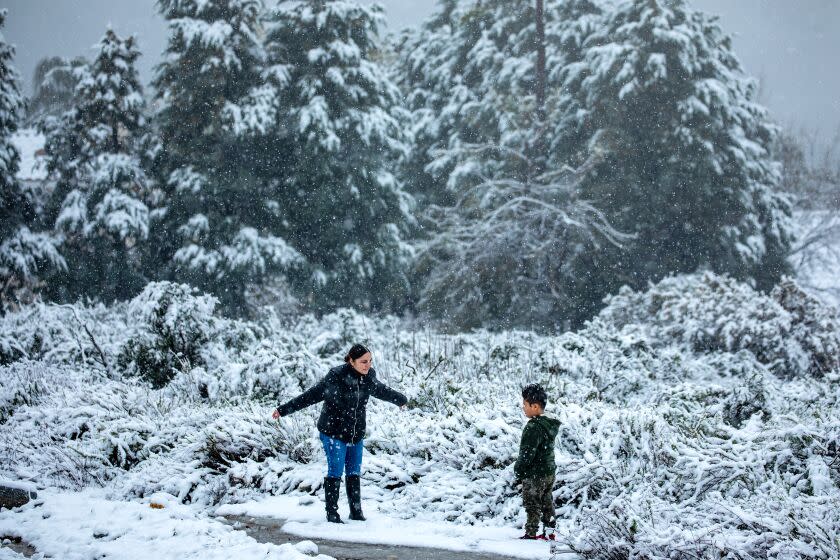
<point>269,530</point>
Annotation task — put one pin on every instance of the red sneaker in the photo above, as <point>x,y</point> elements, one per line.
<point>528,537</point>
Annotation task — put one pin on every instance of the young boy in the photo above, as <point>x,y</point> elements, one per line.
<point>535,465</point>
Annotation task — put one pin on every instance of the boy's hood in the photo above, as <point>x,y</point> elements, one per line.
<point>550,426</point>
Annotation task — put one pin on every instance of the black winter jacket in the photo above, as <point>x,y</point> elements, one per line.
<point>345,393</point>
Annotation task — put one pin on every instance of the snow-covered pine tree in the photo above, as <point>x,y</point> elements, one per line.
<point>221,229</point>
<point>335,117</point>
<point>54,82</point>
<point>508,221</point>
<point>99,200</point>
<point>444,71</point>
<point>470,75</point>
<point>24,253</point>
<point>660,96</point>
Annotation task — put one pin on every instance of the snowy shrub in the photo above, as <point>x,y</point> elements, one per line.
<point>172,322</point>
<point>62,334</point>
<point>776,527</point>
<point>744,401</point>
<point>815,326</point>
<point>678,435</point>
<point>237,437</point>
<point>333,334</point>
<point>20,384</point>
<point>217,453</point>
<point>790,332</point>
<point>456,468</point>
<point>72,436</point>
<point>673,480</point>
<point>277,370</point>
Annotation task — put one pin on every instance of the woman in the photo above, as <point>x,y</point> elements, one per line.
<point>345,391</point>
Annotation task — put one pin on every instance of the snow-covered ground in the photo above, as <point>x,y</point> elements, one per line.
<point>697,415</point>
<point>85,525</point>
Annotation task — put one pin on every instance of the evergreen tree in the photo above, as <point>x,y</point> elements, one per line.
<point>99,200</point>
<point>54,83</point>
<point>334,116</point>
<point>221,229</point>
<point>507,224</point>
<point>662,100</point>
<point>443,70</point>
<point>470,75</point>
<point>23,253</point>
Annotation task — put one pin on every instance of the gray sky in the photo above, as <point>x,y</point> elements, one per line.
<point>790,45</point>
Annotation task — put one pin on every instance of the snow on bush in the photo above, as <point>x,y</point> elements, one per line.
<point>173,322</point>
<point>788,330</point>
<point>698,419</point>
<point>61,334</point>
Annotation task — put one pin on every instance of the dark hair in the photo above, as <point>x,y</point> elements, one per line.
<point>356,352</point>
<point>535,394</point>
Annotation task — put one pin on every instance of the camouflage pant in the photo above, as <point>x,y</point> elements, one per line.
<point>538,502</point>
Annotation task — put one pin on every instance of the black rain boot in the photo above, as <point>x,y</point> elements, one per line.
<point>354,497</point>
<point>332,487</point>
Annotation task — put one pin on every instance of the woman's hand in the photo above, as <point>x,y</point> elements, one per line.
<point>275,414</point>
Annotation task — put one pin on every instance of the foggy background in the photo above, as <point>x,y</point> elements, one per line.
<point>791,47</point>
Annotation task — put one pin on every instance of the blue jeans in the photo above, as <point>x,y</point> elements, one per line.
<point>342,457</point>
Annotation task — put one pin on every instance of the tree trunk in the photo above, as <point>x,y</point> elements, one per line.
<point>538,154</point>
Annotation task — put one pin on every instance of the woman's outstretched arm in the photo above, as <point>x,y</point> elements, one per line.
<point>313,395</point>
<point>385,393</point>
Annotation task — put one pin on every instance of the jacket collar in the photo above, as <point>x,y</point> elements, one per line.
<point>351,376</point>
